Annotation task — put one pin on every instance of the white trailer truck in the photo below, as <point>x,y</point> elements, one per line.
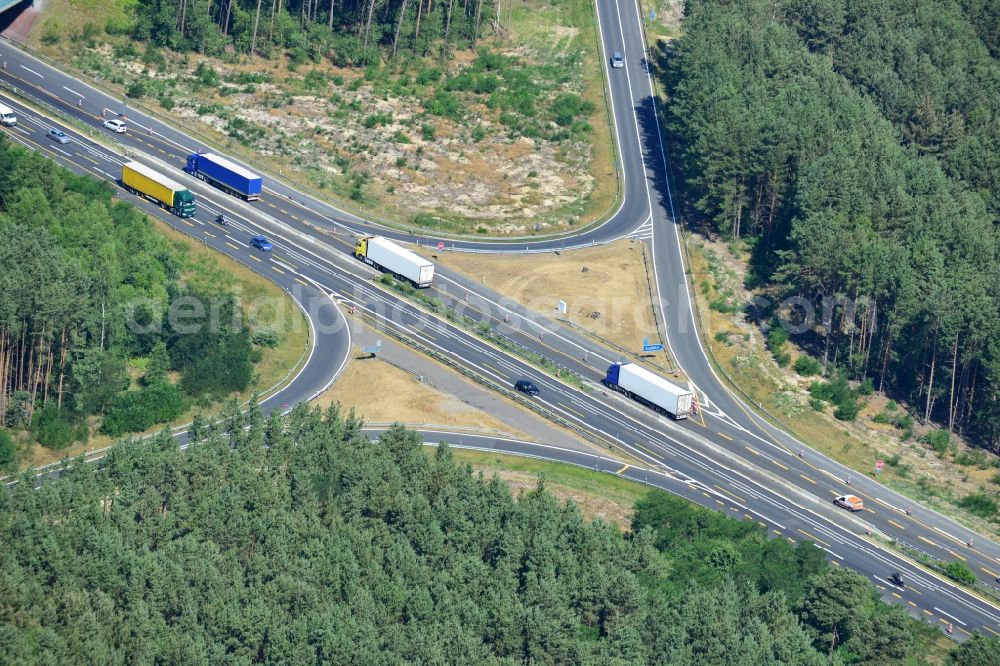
<point>386,256</point>
<point>650,389</point>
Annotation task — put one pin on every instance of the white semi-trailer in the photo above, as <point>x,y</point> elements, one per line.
<point>651,389</point>
<point>385,255</point>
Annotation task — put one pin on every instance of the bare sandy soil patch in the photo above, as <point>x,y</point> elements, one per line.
<point>372,142</point>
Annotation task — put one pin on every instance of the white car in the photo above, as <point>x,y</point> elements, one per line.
<point>115,125</point>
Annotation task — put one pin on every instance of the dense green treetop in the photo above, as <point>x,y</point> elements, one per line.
<point>300,541</point>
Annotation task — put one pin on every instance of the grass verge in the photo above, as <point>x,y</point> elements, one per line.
<point>597,494</point>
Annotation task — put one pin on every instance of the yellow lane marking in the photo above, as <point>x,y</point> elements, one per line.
<point>790,539</point>
<point>302,282</point>
<point>187,223</point>
<point>571,409</point>
<point>764,525</point>
<point>776,531</point>
<point>283,211</point>
<point>988,572</point>
<point>807,478</point>
<point>896,524</point>
<point>706,494</point>
<point>926,540</point>
<point>737,497</point>
<point>275,268</point>
<point>836,562</point>
<point>752,450</point>
<point>927,611</point>
<point>209,233</point>
<point>784,467</point>
<point>295,217</point>
<point>255,259</point>
<point>271,204</point>
<point>815,538</point>
<point>993,632</point>
<point>896,595</point>
<point>720,502</point>
<point>957,555</point>
<point>496,370</point>
<point>912,604</point>
<point>722,434</point>
<point>232,246</point>
<point>624,467</point>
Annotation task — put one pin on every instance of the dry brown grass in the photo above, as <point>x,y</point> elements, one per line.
<point>597,495</point>
<point>614,285</point>
<point>383,393</point>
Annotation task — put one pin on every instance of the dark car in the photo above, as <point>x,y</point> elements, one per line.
<point>58,135</point>
<point>261,243</point>
<point>526,387</point>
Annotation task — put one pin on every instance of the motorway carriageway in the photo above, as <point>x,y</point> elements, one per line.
<point>713,476</point>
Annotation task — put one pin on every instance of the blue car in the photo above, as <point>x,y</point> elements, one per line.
<point>261,243</point>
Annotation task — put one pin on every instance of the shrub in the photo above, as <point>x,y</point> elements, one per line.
<point>866,387</point>
<point>429,75</point>
<point>136,89</point>
<point>8,452</point>
<point>55,430</point>
<point>206,75</point>
<point>166,102</point>
<point>847,409</point>
<point>807,366</point>
<point>937,440</point>
<point>266,336</point>
<point>816,404</point>
<point>135,411</point>
<point>882,418</point>
<point>961,572</point>
<point>427,131</point>
<point>979,504</point>
<point>776,338</point>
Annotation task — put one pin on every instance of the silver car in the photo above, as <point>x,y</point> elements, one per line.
<point>58,135</point>
<point>617,60</point>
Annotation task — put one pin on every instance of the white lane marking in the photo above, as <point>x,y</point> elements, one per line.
<point>61,151</point>
<point>237,242</point>
<point>285,266</point>
<point>33,72</point>
<point>951,616</point>
<point>69,90</point>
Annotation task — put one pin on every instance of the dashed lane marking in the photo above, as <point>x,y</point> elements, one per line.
<point>815,538</point>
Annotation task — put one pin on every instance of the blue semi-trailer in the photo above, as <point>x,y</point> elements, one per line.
<point>225,174</point>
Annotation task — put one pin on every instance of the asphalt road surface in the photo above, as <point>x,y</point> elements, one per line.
<point>729,458</point>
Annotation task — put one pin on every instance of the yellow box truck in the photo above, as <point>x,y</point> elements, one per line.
<point>142,180</point>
